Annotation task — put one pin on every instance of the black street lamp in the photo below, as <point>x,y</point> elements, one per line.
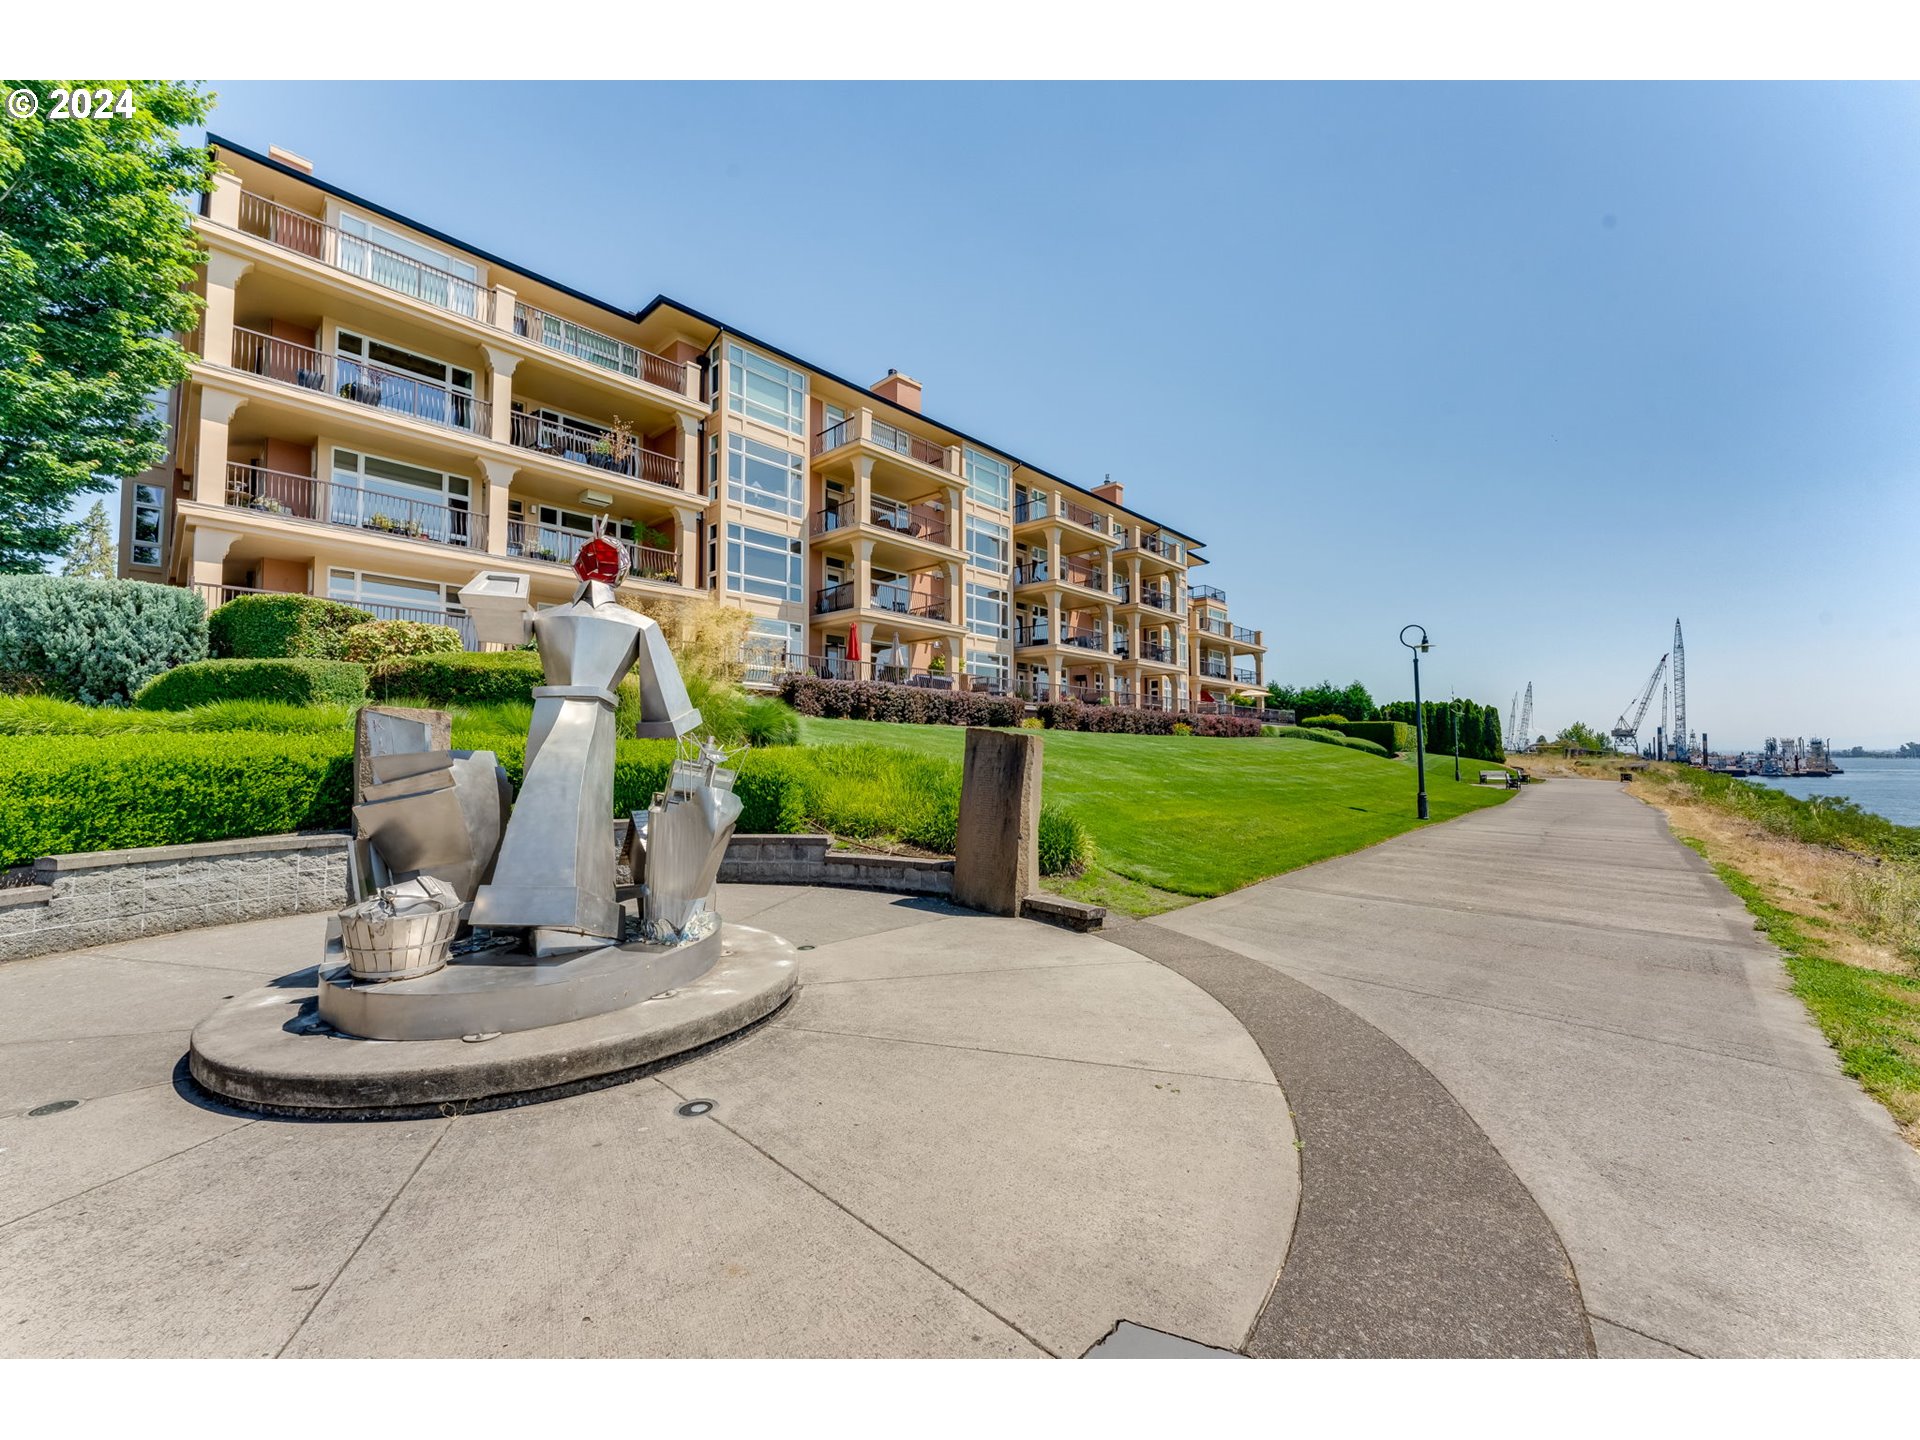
<point>1453,713</point>
<point>1419,715</point>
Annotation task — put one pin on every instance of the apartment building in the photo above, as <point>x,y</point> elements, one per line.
<point>376,410</point>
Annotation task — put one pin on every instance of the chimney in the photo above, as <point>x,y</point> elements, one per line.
<point>902,390</point>
<point>1111,492</point>
<point>290,160</point>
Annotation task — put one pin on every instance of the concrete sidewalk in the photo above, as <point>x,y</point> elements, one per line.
<point>1601,1006</point>
<point>965,1136</point>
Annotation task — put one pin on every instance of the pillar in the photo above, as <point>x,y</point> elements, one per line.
<point>216,320</point>
<point>863,488</point>
<point>690,523</point>
<point>209,560</point>
<point>1053,552</point>
<point>503,303</point>
<point>690,454</point>
<point>217,409</point>
<point>864,670</point>
<point>862,574</point>
<point>996,855</point>
<point>223,202</point>
<point>499,482</point>
<point>501,366</point>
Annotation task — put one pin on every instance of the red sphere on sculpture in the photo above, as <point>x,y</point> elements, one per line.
<point>603,560</point>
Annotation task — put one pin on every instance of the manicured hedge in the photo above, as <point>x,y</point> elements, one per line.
<point>379,641</point>
<point>287,682</point>
<point>1390,735</point>
<point>460,679</point>
<point>281,627</point>
<point>62,794</point>
<point>1128,720</point>
<point>1322,736</point>
<point>95,641</point>
<point>898,704</point>
<point>1324,722</point>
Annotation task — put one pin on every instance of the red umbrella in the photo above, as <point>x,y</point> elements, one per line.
<point>853,645</point>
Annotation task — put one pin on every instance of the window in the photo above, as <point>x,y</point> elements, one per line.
<point>987,544</point>
<point>390,597</point>
<point>986,611</point>
<point>987,665</point>
<point>713,464</point>
<point>989,481</point>
<point>763,563</point>
<point>149,521</point>
<point>763,476</point>
<point>710,378</point>
<point>389,258</point>
<point>761,390</point>
<point>442,393</point>
<point>400,499</point>
<point>767,649</point>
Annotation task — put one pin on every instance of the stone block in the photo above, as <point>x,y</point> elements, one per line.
<point>997,852</point>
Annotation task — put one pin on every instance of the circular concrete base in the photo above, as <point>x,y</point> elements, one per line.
<point>261,1051</point>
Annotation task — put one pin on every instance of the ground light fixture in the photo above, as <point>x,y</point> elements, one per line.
<point>1418,647</point>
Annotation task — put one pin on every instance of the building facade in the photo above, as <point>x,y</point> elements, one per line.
<point>376,410</point>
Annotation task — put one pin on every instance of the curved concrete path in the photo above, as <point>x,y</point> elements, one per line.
<point>1601,1006</point>
<point>964,1136</point>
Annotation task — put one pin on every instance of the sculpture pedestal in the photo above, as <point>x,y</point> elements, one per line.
<point>262,1050</point>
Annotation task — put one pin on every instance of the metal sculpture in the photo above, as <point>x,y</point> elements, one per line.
<point>676,846</point>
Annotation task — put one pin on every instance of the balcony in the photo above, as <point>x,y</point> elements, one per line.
<point>1243,636</point>
<point>1031,634</point>
<point>1215,669</point>
<point>890,598</point>
<point>1153,597</point>
<point>1072,572</point>
<point>391,391</point>
<point>1207,592</point>
<point>1245,677</point>
<point>915,522</point>
<point>1214,626</point>
<point>595,348</point>
<point>881,436</point>
<point>559,546</point>
<point>1036,506</point>
<point>326,502</point>
<point>610,451</point>
<point>1156,652</point>
<point>300,234</point>
<point>1158,546</point>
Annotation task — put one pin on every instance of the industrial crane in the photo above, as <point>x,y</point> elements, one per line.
<point>1626,733</point>
<point>1526,720</point>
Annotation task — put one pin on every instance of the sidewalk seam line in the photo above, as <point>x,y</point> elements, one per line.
<point>1007,970</point>
<point>872,1229</point>
<point>1633,1330</point>
<point>115,1180</point>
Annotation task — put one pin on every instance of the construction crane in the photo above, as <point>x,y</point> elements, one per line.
<point>1682,742</point>
<point>1513,722</point>
<point>1526,721</point>
<point>1626,733</point>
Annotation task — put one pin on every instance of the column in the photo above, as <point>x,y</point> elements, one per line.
<point>690,523</point>
<point>217,409</point>
<point>209,560</point>
<point>503,303</point>
<point>499,481</point>
<point>216,320</point>
<point>956,523</point>
<point>864,669</point>
<point>690,454</point>
<point>956,594</point>
<point>501,366</point>
<point>1106,631</point>
<point>1053,551</point>
<point>223,203</point>
<point>863,575</point>
<point>862,490</point>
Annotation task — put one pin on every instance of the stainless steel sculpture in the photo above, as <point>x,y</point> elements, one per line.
<point>551,942</point>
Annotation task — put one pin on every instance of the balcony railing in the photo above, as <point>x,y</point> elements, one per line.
<point>1035,506</point>
<point>900,600</point>
<point>839,433</point>
<point>599,449</point>
<point>1080,637</point>
<point>218,595</point>
<point>1206,592</point>
<point>552,543</point>
<point>1154,544</point>
<point>1245,636</point>
<point>1072,572</point>
<point>357,380</point>
<point>1215,627</point>
<point>918,521</point>
<point>1244,677</point>
<point>304,235</point>
<point>1214,669</point>
<point>1157,652</point>
<point>598,349</point>
<point>305,497</point>
<point>1080,515</point>
<point>901,442</point>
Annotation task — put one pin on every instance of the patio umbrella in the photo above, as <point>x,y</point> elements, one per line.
<point>896,651</point>
<point>853,648</point>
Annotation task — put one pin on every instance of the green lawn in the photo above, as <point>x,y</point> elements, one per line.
<point>1198,817</point>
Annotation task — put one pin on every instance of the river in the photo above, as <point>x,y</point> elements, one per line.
<point>1885,786</point>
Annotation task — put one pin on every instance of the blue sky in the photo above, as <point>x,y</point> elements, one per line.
<point>1538,366</point>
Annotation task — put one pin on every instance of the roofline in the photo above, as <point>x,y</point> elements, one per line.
<point>668,302</point>
<point>220,142</point>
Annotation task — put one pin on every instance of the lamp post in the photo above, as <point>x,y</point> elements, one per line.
<point>1453,713</point>
<point>1419,715</point>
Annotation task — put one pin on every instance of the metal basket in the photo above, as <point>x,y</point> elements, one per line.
<point>387,945</point>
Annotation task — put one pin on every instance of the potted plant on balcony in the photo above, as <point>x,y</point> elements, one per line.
<point>267,505</point>
<point>614,450</point>
<point>363,387</point>
<point>542,552</point>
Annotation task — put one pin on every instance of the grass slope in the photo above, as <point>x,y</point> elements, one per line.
<point>1201,817</point>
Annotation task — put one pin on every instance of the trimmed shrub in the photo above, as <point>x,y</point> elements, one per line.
<point>41,715</point>
<point>461,678</point>
<point>281,627</point>
<point>95,641</point>
<point>1128,720</point>
<point>1323,737</point>
<point>1324,722</point>
<point>378,641</point>
<point>897,704</point>
<point>287,682</point>
<point>1390,735</point>
<point>62,794</point>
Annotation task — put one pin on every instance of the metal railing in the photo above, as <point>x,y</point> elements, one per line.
<point>532,541</point>
<point>841,432</point>
<point>596,348</point>
<point>1215,627</point>
<point>901,600</point>
<point>902,442</point>
<point>1155,651</point>
<point>1154,544</point>
<point>304,235</point>
<point>838,667</point>
<point>1206,592</point>
<point>595,448</point>
<point>327,502</point>
<point>1214,669</point>
<point>917,521</point>
<point>1072,572</point>
<point>1246,677</point>
<point>1246,636</point>
<point>1082,516</point>
<point>217,595</point>
<point>360,381</point>
<point>1032,507</point>
<point>1038,632</point>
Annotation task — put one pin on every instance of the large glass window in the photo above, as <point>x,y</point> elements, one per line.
<point>771,647</point>
<point>400,499</point>
<point>442,393</point>
<point>986,611</point>
<point>762,390</point>
<point>763,563</point>
<point>988,544</point>
<point>989,481</point>
<point>988,665</point>
<point>389,258</point>
<point>391,597</point>
<point>764,476</point>
<point>149,520</point>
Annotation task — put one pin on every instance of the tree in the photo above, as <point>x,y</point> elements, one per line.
<point>92,555</point>
<point>1350,700</point>
<point>1583,737</point>
<point>96,257</point>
